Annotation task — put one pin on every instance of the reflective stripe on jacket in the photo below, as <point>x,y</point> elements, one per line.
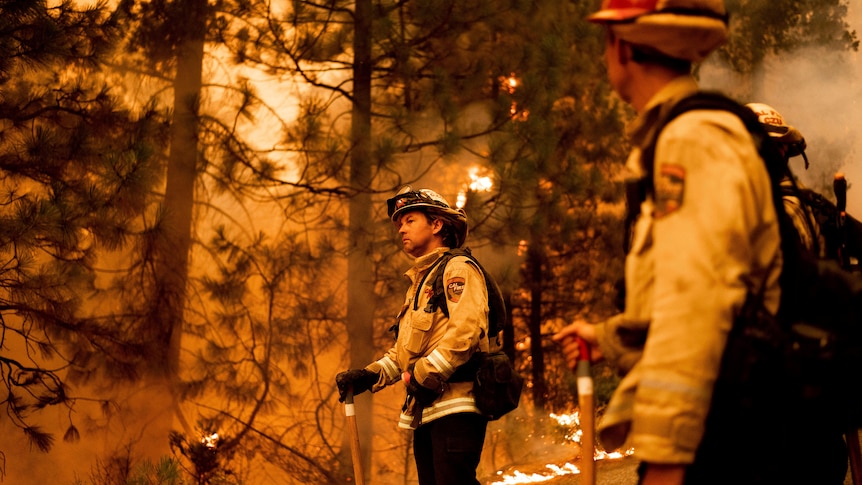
<point>691,263</point>
<point>435,344</point>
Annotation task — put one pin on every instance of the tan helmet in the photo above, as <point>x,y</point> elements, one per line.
<point>433,204</point>
<point>681,29</point>
<point>780,131</point>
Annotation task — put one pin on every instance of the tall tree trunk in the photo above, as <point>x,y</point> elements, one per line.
<point>172,261</point>
<point>181,175</point>
<point>360,284</point>
<point>535,265</point>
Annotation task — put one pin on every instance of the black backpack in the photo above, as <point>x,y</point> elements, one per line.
<point>808,357</point>
<point>841,232</point>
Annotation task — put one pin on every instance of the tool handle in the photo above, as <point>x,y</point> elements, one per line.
<point>839,185</point>
<point>586,402</point>
<point>855,454</point>
<point>355,453</point>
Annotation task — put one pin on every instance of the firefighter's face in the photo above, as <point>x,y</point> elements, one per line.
<point>419,234</point>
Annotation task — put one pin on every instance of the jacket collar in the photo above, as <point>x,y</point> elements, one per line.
<point>642,129</point>
<point>424,262</point>
<point>659,105</point>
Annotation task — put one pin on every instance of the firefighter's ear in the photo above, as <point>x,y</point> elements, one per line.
<point>436,225</point>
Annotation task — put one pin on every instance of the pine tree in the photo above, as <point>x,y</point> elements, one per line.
<point>761,29</point>
<point>76,167</point>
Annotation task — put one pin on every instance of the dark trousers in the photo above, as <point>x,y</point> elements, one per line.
<point>447,450</point>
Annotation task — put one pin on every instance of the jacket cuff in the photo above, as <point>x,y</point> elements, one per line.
<point>619,339</point>
<point>388,371</point>
<point>424,374</point>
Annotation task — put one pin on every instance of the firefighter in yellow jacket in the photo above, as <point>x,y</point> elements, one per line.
<point>430,347</point>
<point>705,238</point>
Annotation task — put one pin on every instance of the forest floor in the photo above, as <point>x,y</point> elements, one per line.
<point>615,471</point>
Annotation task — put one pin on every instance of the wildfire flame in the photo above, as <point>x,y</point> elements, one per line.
<point>510,84</point>
<point>478,183</point>
<point>518,477</point>
<point>572,421</point>
<point>210,441</point>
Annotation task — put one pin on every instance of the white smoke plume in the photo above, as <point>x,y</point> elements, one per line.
<point>817,91</point>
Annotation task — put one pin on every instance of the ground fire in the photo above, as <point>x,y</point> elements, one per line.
<point>572,421</point>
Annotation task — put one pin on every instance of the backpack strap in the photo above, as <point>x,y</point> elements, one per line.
<point>497,316</point>
<point>637,191</point>
<point>712,100</point>
<point>434,301</point>
<point>773,160</point>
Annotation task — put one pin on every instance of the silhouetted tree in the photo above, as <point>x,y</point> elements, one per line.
<point>76,167</point>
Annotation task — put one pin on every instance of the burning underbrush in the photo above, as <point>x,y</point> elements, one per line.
<point>548,457</point>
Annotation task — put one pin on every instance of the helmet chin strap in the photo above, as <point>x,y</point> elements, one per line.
<point>804,156</point>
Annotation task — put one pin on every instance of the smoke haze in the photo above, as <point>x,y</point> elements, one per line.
<point>817,92</point>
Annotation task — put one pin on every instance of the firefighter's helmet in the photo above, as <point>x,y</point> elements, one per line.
<point>433,204</point>
<point>681,29</point>
<point>780,131</point>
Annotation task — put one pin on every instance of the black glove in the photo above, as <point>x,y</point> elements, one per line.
<point>360,380</point>
<point>424,396</point>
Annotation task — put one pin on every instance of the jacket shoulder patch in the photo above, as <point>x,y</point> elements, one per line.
<point>454,289</point>
<point>669,189</point>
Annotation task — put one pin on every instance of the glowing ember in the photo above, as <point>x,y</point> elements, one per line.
<point>522,247</point>
<point>509,84</point>
<point>210,441</point>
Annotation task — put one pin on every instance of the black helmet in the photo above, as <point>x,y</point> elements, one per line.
<point>432,204</point>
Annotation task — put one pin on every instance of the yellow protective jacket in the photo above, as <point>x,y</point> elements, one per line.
<point>707,235</point>
<point>438,345</point>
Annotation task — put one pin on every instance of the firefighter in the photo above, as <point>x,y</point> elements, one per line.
<point>791,143</point>
<point>818,221</point>
<point>705,238</point>
<point>825,234</point>
<point>449,430</point>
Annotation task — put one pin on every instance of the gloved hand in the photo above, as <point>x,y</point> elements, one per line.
<point>424,396</point>
<point>360,379</point>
